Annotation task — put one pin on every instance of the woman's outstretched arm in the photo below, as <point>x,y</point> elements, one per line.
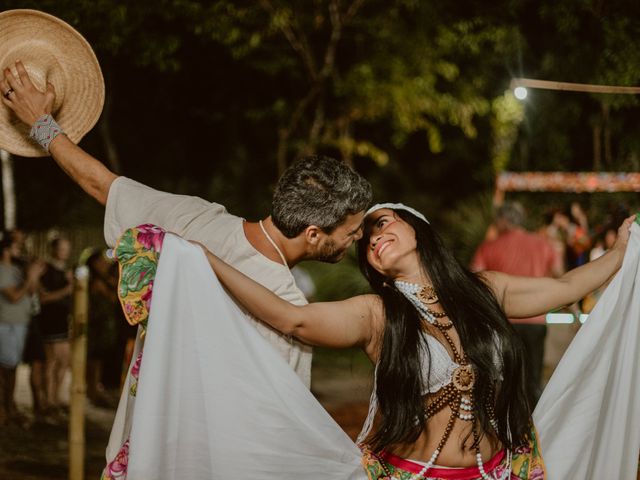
<point>329,324</point>
<point>523,297</point>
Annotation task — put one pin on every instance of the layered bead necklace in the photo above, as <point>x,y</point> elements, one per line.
<point>458,394</point>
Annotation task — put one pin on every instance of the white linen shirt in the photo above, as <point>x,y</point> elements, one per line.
<point>131,203</point>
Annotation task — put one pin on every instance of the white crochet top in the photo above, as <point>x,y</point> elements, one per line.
<point>437,372</point>
<point>438,368</point>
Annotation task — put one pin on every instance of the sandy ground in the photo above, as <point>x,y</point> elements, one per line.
<point>341,382</point>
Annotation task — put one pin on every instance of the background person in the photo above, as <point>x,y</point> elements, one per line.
<point>34,348</point>
<point>16,288</point>
<point>56,289</point>
<point>577,235</point>
<point>102,331</point>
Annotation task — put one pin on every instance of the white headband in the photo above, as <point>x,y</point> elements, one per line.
<point>396,206</point>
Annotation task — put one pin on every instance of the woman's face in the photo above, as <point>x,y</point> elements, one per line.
<point>392,244</point>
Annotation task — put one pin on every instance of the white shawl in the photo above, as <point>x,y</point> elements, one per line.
<point>214,401</point>
<point>588,416</point>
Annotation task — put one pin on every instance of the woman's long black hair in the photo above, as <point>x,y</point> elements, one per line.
<point>485,335</point>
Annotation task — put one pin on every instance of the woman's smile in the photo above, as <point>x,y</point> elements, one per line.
<point>381,246</point>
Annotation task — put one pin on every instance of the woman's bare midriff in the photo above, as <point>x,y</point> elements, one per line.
<point>453,453</point>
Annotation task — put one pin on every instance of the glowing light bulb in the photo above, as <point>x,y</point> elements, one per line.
<point>520,93</point>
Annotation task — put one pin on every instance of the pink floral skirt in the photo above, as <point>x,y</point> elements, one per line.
<point>526,464</point>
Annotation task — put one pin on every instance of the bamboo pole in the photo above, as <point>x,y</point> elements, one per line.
<point>8,190</point>
<point>78,373</point>
<point>573,87</point>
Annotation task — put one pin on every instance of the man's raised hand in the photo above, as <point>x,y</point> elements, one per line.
<point>21,96</point>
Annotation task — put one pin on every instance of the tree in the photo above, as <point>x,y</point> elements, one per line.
<point>584,41</point>
<point>358,63</point>
<point>215,98</point>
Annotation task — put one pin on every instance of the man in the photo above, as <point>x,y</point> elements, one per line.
<point>518,252</point>
<point>34,348</point>
<point>317,210</point>
<point>16,290</point>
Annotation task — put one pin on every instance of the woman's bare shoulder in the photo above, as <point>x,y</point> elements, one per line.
<point>375,309</point>
<point>496,281</point>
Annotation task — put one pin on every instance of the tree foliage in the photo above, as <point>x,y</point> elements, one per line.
<point>216,97</point>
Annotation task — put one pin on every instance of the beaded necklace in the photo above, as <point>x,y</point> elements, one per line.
<point>457,395</point>
<point>273,243</point>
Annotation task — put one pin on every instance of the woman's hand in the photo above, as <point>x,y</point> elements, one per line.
<point>21,96</point>
<point>622,240</point>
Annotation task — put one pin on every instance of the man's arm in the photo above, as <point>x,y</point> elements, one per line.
<point>29,104</point>
<point>133,203</point>
<point>85,170</point>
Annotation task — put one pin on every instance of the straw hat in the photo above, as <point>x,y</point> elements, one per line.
<point>51,50</point>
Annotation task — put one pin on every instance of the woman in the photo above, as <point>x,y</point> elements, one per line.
<point>102,331</point>
<point>449,387</point>
<point>56,288</point>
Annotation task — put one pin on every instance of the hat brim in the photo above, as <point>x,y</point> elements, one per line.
<point>51,51</point>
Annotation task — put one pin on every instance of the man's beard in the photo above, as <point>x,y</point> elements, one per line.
<point>329,253</point>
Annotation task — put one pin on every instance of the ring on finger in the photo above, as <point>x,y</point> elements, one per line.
<point>8,92</point>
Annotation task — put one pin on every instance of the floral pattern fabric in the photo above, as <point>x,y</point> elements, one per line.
<point>117,468</point>
<point>137,253</point>
<point>526,464</point>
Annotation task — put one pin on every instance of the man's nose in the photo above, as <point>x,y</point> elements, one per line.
<point>358,234</point>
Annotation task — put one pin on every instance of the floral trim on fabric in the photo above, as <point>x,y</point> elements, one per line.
<point>137,252</point>
<point>117,469</point>
<point>526,464</point>
<point>135,372</point>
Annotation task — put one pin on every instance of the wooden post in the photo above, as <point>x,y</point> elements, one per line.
<point>8,190</point>
<point>78,373</point>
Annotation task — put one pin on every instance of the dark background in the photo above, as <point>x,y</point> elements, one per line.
<point>215,98</point>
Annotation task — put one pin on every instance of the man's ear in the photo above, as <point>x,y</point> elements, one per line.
<point>312,234</point>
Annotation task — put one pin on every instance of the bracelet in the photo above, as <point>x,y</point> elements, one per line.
<point>45,130</point>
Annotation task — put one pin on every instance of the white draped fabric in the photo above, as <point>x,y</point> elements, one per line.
<point>588,416</point>
<point>215,401</point>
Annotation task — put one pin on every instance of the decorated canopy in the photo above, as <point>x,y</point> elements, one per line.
<point>575,182</point>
